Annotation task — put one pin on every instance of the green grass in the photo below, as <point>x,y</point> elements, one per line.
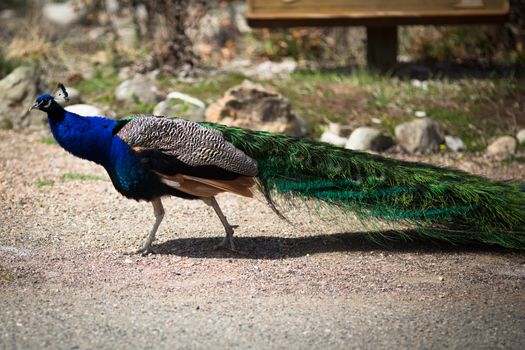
<point>7,65</point>
<point>44,182</point>
<point>100,88</point>
<point>475,110</point>
<point>138,107</point>
<point>209,89</point>
<point>464,108</point>
<point>458,123</point>
<point>80,177</point>
<point>521,147</point>
<point>514,159</point>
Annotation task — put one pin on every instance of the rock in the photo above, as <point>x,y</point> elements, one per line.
<point>253,106</point>
<point>368,139</point>
<point>265,70</point>
<point>521,136</point>
<point>84,110</point>
<point>18,91</point>
<point>420,114</point>
<point>96,33</point>
<point>16,87</point>
<point>7,14</point>
<point>125,73</point>
<point>455,144</point>
<point>270,70</point>
<point>139,88</point>
<point>181,105</point>
<point>335,128</point>
<point>63,13</point>
<point>420,84</point>
<point>503,146</point>
<point>333,138</point>
<point>419,136</point>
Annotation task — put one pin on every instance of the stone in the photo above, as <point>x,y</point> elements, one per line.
<point>84,110</point>
<point>503,146</point>
<point>419,136</point>
<point>18,90</point>
<point>236,65</point>
<point>266,70</point>
<point>420,114</point>
<point>125,73</point>
<point>16,86</point>
<point>7,14</point>
<point>420,84</point>
<point>253,106</point>
<point>63,13</point>
<point>455,144</point>
<point>521,136</point>
<point>368,139</point>
<point>335,128</point>
<point>334,139</point>
<point>139,88</point>
<point>183,106</point>
<point>271,70</point>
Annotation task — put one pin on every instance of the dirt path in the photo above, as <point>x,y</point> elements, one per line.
<point>65,284</point>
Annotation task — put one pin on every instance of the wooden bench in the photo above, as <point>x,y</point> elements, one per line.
<point>381,17</point>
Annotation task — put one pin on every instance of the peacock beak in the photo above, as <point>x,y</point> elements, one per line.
<point>34,106</point>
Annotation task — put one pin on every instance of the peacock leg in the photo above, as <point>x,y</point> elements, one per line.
<point>228,239</point>
<point>158,210</point>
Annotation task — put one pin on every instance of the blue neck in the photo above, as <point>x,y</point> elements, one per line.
<point>85,137</point>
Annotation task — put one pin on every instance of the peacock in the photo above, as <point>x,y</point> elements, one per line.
<point>149,157</point>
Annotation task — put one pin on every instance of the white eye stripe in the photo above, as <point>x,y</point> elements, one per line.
<point>47,104</point>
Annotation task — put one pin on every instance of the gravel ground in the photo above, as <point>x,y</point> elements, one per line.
<point>65,284</point>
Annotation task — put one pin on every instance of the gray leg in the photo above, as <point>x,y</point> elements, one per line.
<point>228,239</point>
<point>158,210</point>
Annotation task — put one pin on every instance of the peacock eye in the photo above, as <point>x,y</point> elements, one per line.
<point>48,103</point>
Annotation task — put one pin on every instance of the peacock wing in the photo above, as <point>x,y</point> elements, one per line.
<point>187,141</point>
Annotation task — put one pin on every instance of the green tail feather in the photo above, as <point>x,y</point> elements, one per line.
<point>443,204</point>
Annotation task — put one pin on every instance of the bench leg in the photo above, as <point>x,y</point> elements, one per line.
<point>381,48</point>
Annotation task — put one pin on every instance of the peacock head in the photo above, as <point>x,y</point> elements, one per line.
<point>46,102</point>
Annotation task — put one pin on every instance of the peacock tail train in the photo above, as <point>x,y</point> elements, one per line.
<point>440,203</point>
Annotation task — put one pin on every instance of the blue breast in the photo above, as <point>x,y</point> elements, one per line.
<point>124,167</point>
<point>92,138</point>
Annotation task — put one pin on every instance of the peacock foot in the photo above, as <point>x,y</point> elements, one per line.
<point>144,250</point>
<point>226,243</point>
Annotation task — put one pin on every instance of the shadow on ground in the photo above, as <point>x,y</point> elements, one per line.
<point>270,247</point>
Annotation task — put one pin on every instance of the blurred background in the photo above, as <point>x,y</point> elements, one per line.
<point>461,84</point>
